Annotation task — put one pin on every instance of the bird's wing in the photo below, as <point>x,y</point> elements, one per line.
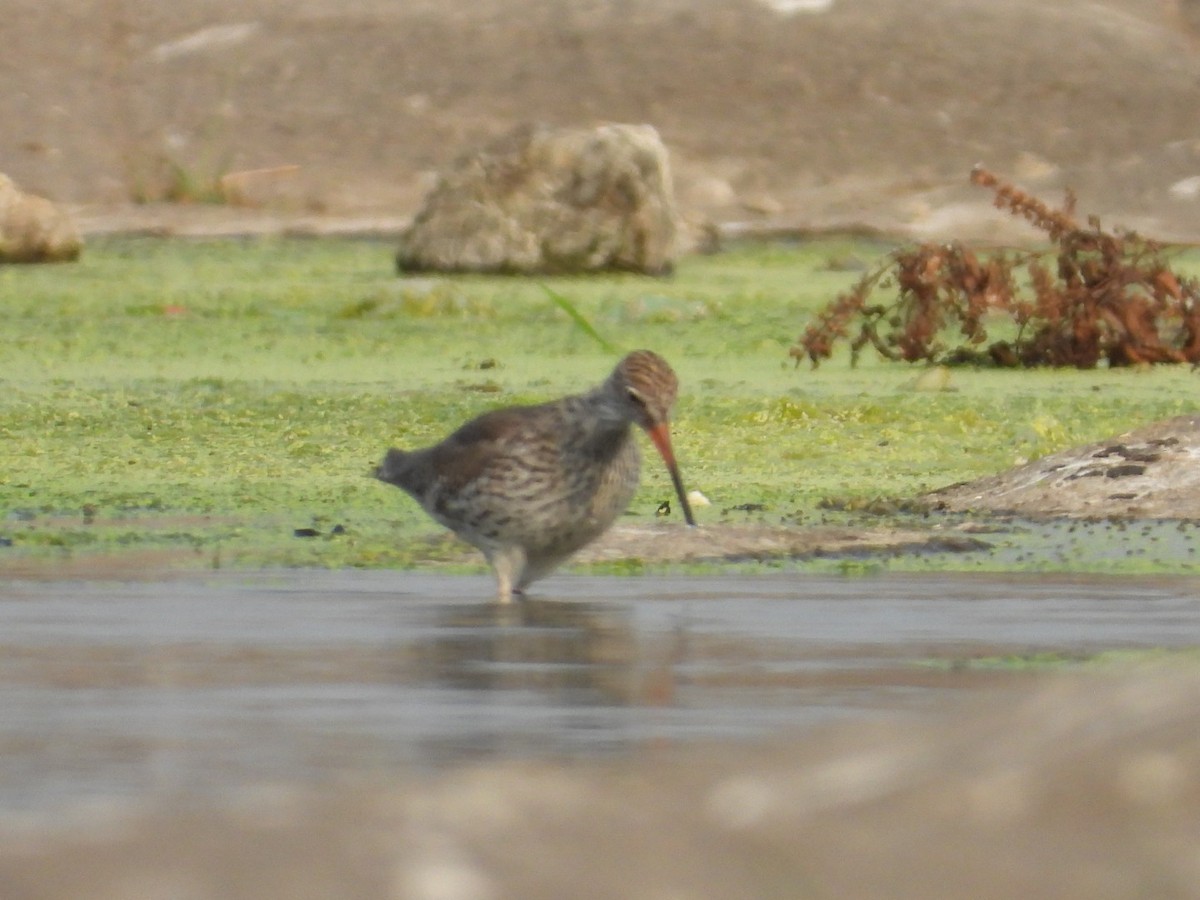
<point>492,441</point>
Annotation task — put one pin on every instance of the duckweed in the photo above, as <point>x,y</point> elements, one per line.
<point>218,395</point>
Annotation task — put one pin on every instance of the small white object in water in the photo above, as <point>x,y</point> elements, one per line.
<point>788,7</point>
<point>1185,188</point>
<point>210,38</point>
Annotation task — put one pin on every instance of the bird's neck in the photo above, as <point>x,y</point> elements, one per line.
<point>602,408</point>
<point>599,421</point>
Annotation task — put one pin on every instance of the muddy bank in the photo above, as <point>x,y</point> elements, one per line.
<point>656,543</point>
<point>734,543</point>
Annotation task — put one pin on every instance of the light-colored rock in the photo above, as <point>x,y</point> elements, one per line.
<point>542,200</point>
<point>33,229</point>
<point>1150,473</point>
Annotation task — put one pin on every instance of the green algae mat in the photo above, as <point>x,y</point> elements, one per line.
<point>222,403</point>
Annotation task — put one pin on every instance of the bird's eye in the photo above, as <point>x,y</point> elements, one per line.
<point>636,397</point>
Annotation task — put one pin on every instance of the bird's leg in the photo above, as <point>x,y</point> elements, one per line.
<point>508,564</point>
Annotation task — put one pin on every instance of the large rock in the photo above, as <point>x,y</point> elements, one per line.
<point>32,229</point>
<point>544,200</point>
<point>1150,473</point>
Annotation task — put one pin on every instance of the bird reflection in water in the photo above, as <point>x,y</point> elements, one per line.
<point>584,653</point>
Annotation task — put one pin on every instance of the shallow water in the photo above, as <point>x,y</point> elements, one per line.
<point>207,683</point>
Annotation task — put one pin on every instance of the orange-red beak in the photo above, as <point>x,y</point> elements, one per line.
<point>660,434</point>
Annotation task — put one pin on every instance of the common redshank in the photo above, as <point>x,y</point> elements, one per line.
<point>530,485</point>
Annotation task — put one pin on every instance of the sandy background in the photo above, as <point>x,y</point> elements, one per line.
<point>866,112</point>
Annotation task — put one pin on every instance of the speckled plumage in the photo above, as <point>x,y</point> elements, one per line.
<point>530,485</point>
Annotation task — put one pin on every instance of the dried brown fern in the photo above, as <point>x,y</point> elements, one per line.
<point>1110,296</point>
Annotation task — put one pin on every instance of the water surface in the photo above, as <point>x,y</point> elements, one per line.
<point>208,683</point>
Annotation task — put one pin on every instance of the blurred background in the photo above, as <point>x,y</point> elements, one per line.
<point>793,113</point>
